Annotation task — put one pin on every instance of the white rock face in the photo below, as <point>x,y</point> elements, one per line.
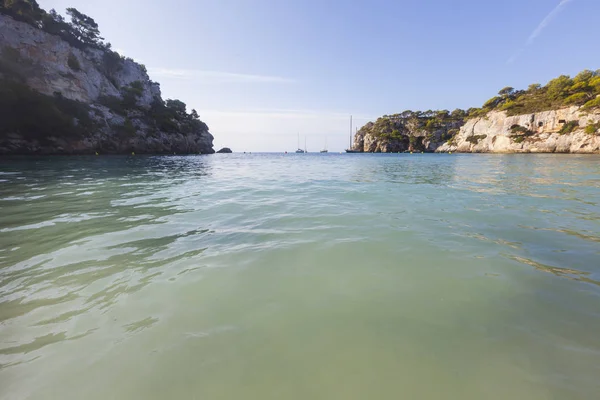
<point>42,61</point>
<point>495,135</point>
<point>132,72</point>
<point>45,59</point>
<point>48,71</point>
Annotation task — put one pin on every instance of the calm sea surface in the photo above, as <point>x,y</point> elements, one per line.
<point>271,276</point>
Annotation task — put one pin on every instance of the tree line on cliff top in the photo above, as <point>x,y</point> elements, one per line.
<point>583,90</point>
<point>82,31</point>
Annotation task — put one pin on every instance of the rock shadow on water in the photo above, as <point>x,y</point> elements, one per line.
<point>64,317</point>
<point>404,170</point>
<point>153,245</point>
<point>140,325</point>
<point>109,296</point>
<point>568,273</point>
<point>16,308</point>
<point>43,341</point>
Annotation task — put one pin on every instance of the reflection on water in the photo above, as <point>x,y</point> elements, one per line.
<point>415,172</point>
<point>560,272</point>
<point>312,276</point>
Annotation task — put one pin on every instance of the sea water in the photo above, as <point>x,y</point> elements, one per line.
<point>311,276</point>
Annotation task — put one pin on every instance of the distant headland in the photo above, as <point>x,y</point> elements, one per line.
<point>561,117</point>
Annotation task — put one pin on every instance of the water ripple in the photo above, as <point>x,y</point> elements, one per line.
<point>243,266</point>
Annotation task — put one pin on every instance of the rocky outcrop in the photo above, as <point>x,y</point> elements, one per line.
<point>393,135</point>
<point>542,132</point>
<point>225,150</point>
<point>125,107</point>
<point>568,130</point>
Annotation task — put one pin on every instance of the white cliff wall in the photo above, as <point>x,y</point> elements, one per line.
<point>492,133</point>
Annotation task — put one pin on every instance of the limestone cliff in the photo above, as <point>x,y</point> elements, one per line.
<point>112,104</point>
<point>409,131</point>
<point>566,130</point>
<point>556,131</point>
<point>562,116</point>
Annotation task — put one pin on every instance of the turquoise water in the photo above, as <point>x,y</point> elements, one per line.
<point>271,276</point>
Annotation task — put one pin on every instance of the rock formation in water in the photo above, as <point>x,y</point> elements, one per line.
<point>62,95</point>
<point>561,117</point>
<point>225,150</point>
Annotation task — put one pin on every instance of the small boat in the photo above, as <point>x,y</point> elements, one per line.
<point>325,148</point>
<point>350,149</point>
<point>300,151</point>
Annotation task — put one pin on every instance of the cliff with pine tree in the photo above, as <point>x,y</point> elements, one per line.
<point>562,116</point>
<point>64,91</point>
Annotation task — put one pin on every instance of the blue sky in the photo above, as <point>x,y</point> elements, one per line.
<point>260,71</point>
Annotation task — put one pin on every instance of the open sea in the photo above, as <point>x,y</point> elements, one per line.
<point>284,276</point>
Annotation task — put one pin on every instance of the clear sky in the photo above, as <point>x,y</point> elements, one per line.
<point>260,71</point>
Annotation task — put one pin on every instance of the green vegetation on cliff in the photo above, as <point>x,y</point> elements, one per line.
<point>564,91</point>
<point>413,130</point>
<point>394,126</point>
<point>442,126</point>
<point>36,116</point>
<point>569,127</point>
<point>81,32</point>
<point>593,129</point>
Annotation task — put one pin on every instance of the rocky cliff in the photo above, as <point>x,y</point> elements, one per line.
<point>568,130</point>
<point>56,98</point>
<point>409,131</point>
<point>562,116</point>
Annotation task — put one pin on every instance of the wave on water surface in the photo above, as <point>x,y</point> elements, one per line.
<point>250,275</point>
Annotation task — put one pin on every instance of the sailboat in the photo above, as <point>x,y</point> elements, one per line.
<point>350,150</point>
<point>325,148</point>
<point>300,151</point>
